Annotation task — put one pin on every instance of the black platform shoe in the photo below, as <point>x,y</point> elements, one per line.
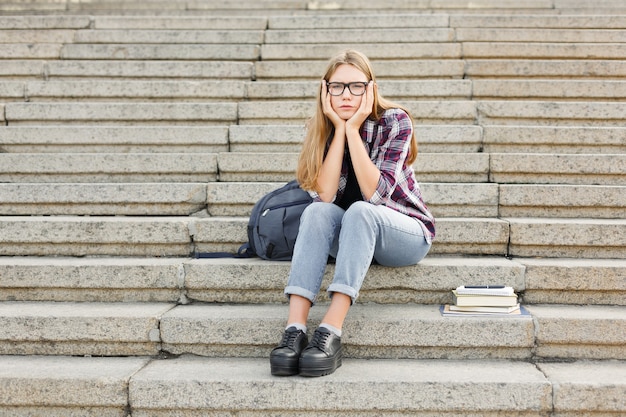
<point>285,357</point>
<point>323,354</point>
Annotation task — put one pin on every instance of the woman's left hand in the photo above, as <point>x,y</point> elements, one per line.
<point>365,108</point>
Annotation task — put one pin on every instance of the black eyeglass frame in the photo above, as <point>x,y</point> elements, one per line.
<point>363,83</point>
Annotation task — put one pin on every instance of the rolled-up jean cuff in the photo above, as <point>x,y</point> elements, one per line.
<point>302,292</point>
<point>343,289</point>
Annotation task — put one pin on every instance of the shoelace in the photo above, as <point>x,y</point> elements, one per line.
<point>289,339</point>
<point>319,340</point>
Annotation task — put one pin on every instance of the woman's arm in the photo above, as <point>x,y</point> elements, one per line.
<point>367,174</point>
<point>330,171</point>
<point>328,178</point>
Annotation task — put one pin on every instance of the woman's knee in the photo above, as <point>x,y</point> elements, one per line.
<point>360,212</point>
<point>318,212</point>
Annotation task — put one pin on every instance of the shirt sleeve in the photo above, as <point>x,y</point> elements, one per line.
<point>391,152</point>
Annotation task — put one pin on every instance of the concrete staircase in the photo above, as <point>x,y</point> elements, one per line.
<point>139,132</point>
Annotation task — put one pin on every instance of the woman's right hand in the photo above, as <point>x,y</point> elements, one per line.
<point>329,112</point>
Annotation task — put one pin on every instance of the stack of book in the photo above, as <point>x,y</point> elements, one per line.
<point>479,300</point>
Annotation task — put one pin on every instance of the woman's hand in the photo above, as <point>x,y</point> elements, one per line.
<point>365,108</point>
<point>328,108</point>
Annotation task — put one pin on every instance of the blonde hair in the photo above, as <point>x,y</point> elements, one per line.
<point>319,127</point>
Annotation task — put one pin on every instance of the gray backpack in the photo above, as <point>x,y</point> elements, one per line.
<point>273,225</point>
<point>274,222</point>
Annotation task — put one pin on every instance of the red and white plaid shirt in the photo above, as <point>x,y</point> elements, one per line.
<point>388,142</point>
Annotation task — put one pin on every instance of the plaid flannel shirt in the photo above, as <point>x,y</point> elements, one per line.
<point>387,142</point>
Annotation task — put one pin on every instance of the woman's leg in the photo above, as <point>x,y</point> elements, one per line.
<point>374,232</point>
<point>367,232</point>
<point>318,234</point>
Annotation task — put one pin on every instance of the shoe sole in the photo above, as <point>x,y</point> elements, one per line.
<point>281,367</point>
<point>320,368</point>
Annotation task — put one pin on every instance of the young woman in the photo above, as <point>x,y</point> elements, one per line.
<point>356,162</point>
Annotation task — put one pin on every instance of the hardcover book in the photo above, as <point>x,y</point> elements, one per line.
<point>485,290</point>
<point>516,313</point>
<point>484,300</point>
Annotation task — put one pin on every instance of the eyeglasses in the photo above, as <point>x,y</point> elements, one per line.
<point>355,88</point>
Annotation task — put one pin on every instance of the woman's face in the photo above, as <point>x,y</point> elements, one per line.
<point>346,104</point>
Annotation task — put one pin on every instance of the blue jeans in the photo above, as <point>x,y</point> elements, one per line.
<point>355,237</point>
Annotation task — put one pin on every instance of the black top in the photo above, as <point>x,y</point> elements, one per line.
<point>352,192</point>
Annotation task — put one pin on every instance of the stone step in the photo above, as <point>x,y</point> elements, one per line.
<point>114,139</point>
<point>22,69</point>
<point>459,112</point>
<point>44,22</point>
<point>102,329</point>
<point>310,69</point>
<point>225,280</point>
<point>33,36</point>
<point>392,35</point>
<point>535,21</point>
<point>569,201</point>
<point>171,21</point>
<point>237,199</point>
<point>208,36</point>
<point>205,167</point>
<point>247,6</point>
<point>121,113</point>
<point>202,386</point>
<point>401,89</point>
<point>181,280</point>
<point>574,281</point>
<point>89,199</point>
<point>543,50</point>
<point>370,331</point>
<point>223,90</point>
<point>554,139</point>
<point>576,169</point>
<point>543,113</point>
<point>453,139</point>
<point>182,236</point>
<point>31,51</point>
<point>588,332</point>
<point>349,21</point>
<point>443,199</point>
<point>107,168</point>
<point>382,387</point>
<point>138,51</point>
<point>153,91</point>
<point>480,89</point>
<point>280,167</point>
<point>147,69</point>
<point>582,238</point>
<point>125,70</point>
<point>569,68</point>
<point>532,89</point>
<point>540,35</point>
<point>407,68</point>
<point>288,138</point>
<point>460,199</point>
<point>421,50</point>
<point>285,138</point>
<point>65,385</point>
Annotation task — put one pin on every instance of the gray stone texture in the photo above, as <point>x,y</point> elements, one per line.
<point>138,133</point>
<point>114,139</point>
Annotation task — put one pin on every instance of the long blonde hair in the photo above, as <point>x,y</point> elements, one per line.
<point>319,127</point>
